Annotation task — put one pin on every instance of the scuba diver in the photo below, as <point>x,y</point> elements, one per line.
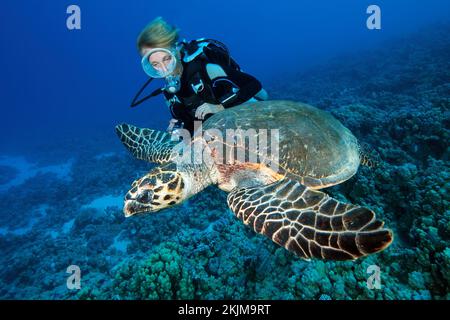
<point>200,76</point>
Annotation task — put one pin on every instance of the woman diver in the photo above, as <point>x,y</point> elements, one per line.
<point>201,77</point>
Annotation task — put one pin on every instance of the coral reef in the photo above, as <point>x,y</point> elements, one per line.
<point>161,276</point>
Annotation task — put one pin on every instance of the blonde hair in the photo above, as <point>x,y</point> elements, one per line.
<point>158,34</point>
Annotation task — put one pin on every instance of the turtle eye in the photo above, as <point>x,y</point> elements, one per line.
<point>145,196</point>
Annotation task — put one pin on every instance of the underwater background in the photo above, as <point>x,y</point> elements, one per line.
<point>64,172</point>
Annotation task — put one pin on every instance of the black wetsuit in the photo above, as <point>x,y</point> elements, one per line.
<point>232,88</point>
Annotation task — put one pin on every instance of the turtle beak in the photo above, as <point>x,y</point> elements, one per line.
<point>137,202</point>
<point>132,207</point>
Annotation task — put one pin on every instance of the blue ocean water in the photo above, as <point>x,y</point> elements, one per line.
<point>64,172</point>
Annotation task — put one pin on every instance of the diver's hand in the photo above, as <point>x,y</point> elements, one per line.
<point>207,108</point>
<point>171,126</point>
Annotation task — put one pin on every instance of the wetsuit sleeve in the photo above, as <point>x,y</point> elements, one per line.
<point>174,107</point>
<point>180,113</point>
<point>233,87</point>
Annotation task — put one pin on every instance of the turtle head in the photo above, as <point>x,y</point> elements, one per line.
<point>161,188</point>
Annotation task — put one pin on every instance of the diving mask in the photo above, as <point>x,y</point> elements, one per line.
<point>159,62</point>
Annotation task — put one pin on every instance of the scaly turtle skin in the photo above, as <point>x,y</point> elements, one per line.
<point>277,195</point>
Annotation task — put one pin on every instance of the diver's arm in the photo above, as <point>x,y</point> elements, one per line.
<point>177,118</point>
<point>170,104</point>
<point>232,87</point>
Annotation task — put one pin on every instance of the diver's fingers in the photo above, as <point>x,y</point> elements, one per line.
<point>199,112</point>
<point>205,109</point>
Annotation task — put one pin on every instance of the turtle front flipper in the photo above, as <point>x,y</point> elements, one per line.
<point>309,222</point>
<point>146,144</point>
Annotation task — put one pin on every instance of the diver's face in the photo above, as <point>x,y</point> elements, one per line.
<point>160,60</point>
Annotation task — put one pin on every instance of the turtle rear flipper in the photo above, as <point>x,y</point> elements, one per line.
<point>309,222</point>
<point>146,144</point>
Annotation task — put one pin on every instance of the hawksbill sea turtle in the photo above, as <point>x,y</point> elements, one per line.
<point>315,151</point>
